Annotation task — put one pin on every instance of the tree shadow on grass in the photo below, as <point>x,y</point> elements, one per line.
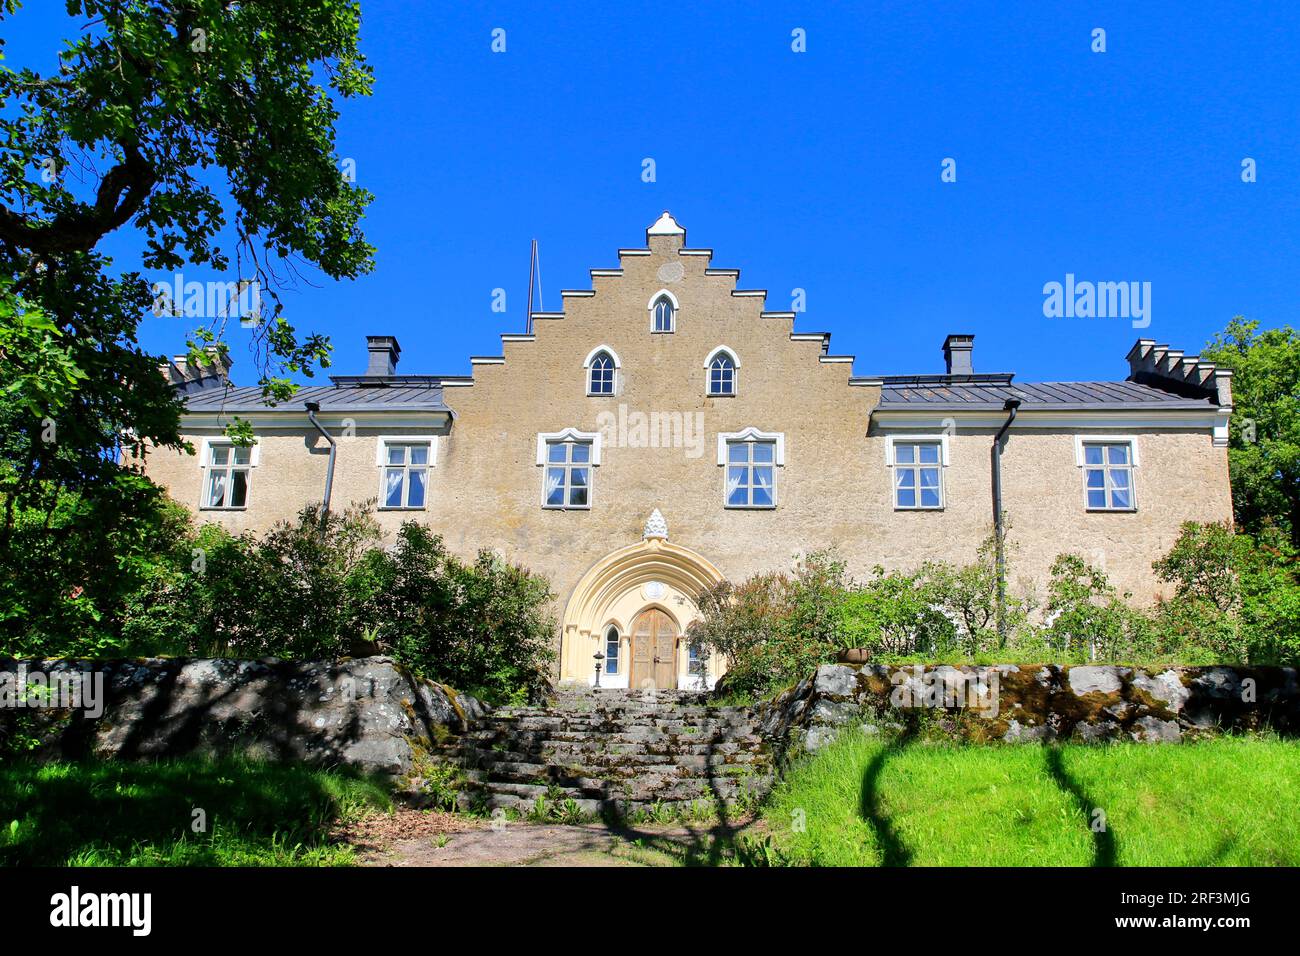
<point>893,851</point>
<point>1105,848</point>
<point>115,811</point>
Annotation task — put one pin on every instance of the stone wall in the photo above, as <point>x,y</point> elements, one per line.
<point>370,713</point>
<point>1033,702</point>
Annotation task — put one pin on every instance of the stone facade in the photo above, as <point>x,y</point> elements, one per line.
<point>833,485</point>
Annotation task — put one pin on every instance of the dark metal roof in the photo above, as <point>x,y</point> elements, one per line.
<point>406,393</point>
<point>976,392</point>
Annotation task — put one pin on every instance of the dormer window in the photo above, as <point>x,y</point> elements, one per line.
<point>602,366</point>
<point>663,312</point>
<point>721,367</point>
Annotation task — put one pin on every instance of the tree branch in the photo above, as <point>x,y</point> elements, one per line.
<point>121,193</point>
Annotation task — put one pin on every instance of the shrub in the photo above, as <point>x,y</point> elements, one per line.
<point>480,627</point>
<point>1236,600</point>
<point>895,614</point>
<point>968,596</point>
<point>1235,597</point>
<point>69,566</point>
<point>774,629</point>
<point>324,587</point>
<point>1086,619</point>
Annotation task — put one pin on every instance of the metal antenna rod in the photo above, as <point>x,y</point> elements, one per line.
<point>532,268</point>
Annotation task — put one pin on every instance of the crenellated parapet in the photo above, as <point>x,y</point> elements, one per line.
<point>1173,371</point>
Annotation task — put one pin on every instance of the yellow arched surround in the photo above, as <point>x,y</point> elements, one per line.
<point>602,594</point>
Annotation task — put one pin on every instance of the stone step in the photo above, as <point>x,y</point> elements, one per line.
<point>614,767</point>
<point>645,719</point>
<point>579,745</point>
<point>687,790</point>
<point>611,752</point>
<point>605,728</point>
<point>630,711</point>
<point>607,695</point>
<point>551,749</point>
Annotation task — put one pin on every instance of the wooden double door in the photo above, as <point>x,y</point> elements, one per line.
<point>654,651</point>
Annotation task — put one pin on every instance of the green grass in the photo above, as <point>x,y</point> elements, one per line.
<point>867,802</point>
<point>141,814</point>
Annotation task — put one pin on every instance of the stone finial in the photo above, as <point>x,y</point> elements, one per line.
<point>655,527</point>
<point>666,225</point>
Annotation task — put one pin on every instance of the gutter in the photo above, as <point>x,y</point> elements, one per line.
<point>999,530</point>
<point>312,409</point>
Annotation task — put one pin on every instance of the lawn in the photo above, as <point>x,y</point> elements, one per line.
<point>143,814</point>
<point>867,802</point>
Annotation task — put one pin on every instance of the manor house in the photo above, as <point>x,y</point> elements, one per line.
<point>665,431</point>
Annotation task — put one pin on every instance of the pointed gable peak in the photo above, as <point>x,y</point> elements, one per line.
<point>666,225</point>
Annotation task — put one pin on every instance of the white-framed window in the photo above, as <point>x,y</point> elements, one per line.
<point>751,474</point>
<point>611,650</point>
<point>694,659</point>
<point>918,475</point>
<point>602,367</point>
<point>1108,464</point>
<point>750,459</point>
<point>917,463</point>
<point>663,312</point>
<point>404,463</point>
<point>568,459</point>
<point>601,380</point>
<point>227,471</point>
<point>721,366</point>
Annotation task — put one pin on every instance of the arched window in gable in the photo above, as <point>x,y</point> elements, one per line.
<point>601,368</point>
<point>663,315</point>
<point>721,367</point>
<point>601,381</point>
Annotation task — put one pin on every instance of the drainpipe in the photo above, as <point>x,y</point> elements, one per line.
<point>312,409</point>
<point>999,531</point>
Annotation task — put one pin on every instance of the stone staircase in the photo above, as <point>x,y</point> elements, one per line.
<point>612,753</point>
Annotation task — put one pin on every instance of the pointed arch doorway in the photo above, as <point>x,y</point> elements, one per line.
<point>654,640</point>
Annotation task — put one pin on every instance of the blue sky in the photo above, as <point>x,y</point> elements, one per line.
<point>817,170</point>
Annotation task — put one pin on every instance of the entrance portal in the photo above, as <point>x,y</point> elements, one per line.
<point>644,595</point>
<point>654,651</point>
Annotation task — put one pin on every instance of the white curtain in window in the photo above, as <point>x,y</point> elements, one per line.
<point>552,482</point>
<point>733,480</point>
<point>218,496</point>
<point>393,483</point>
<point>763,478</point>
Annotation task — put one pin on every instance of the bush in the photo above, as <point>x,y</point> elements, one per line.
<point>1236,600</point>
<point>1086,619</point>
<point>1235,597</point>
<point>896,614</point>
<point>480,627</point>
<point>774,629</point>
<point>69,567</point>
<point>324,587</point>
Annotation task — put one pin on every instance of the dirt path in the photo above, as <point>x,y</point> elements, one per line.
<point>422,838</point>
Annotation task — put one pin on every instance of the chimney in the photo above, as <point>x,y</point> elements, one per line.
<point>957,354</point>
<point>213,371</point>
<point>384,352</point>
